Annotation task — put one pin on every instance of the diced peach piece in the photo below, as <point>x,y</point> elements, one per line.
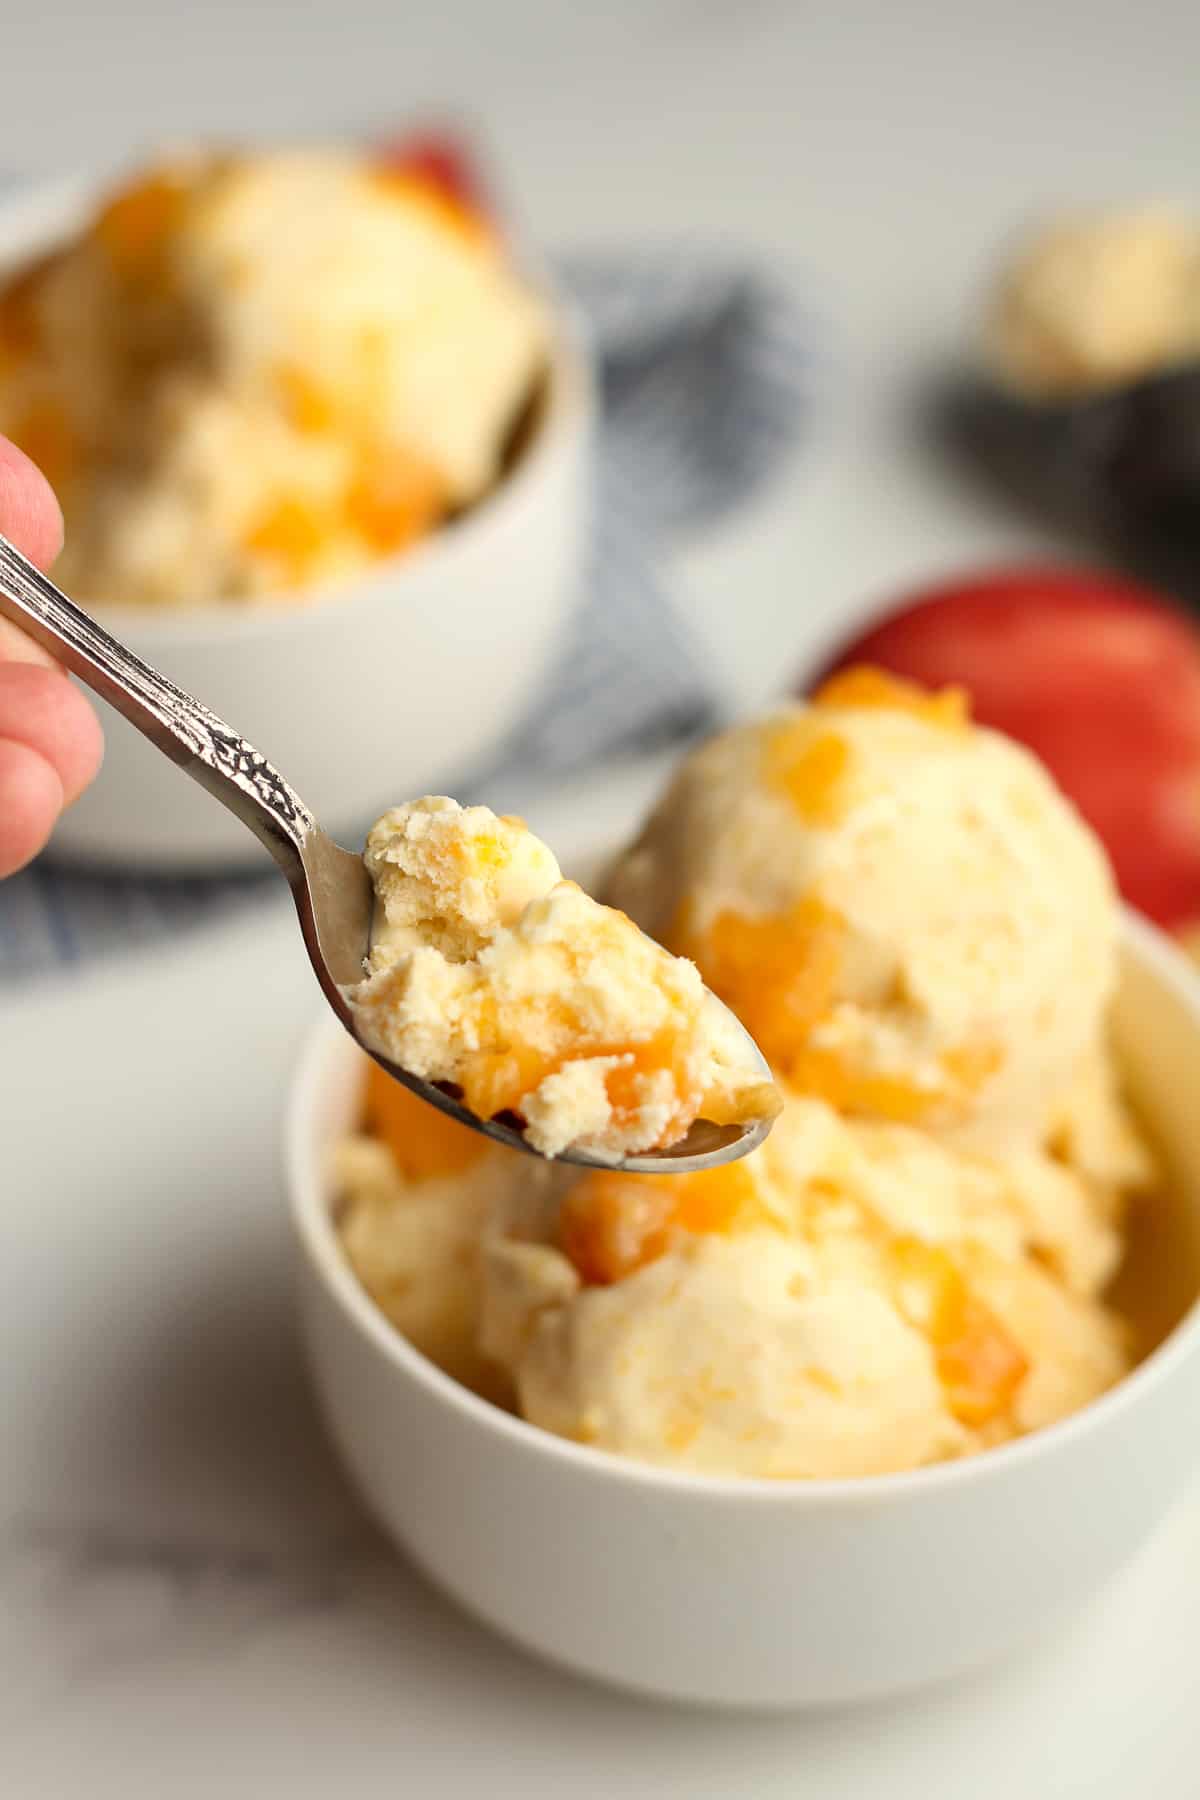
<point>713,1200</point>
<point>980,1365</point>
<point>499,1080</point>
<point>866,1093</point>
<point>496,1081</point>
<point>310,408</point>
<point>136,223</point>
<point>611,1224</point>
<point>863,685</point>
<point>978,1362</point>
<point>395,500</point>
<point>424,1142</point>
<point>667,1051</point>
<point>809,768</point>
<point>971,1065</point>
<point>291,531</point>
<point>872,1093</point>
<point>778,973</point>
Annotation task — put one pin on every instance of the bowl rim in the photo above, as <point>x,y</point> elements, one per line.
<point>43,211</point>
<point>313,1225</point>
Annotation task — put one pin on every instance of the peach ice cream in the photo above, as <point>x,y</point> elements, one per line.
<point>490,972</point>
<point>915,1265</point>
<point>936,925</point>
<point>251,375</point>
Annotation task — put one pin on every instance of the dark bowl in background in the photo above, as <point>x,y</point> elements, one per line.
<point>1120,465</point>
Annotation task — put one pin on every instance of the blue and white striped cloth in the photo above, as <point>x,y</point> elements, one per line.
<point>709,369</point>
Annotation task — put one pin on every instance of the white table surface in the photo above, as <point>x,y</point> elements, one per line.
<point>190,1603</point>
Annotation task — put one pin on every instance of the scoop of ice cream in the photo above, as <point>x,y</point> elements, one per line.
<point>490,972</point>
<point>902,908</point>
<point>251,374</point>
<point>1089,302</point>
<point>738,1357</point>
<point>853,1298</point>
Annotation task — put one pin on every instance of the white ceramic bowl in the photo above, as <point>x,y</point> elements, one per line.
<point>745,1593</point>
<point>375,691</point>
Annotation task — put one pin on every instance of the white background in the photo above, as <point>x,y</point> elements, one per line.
<point>189,1603</point>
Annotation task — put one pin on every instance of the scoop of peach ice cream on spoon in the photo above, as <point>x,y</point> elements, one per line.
<point>539,1008</point>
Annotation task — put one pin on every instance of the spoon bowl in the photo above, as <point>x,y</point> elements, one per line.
<point>330,885</point>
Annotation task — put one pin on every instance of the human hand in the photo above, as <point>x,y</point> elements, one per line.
<point>50,742</point>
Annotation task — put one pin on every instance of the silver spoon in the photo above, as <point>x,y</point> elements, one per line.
<point>330,885</point>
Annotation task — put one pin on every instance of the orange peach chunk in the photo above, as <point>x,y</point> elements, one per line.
<point>290,531</point>
<point>612,1224</point>
<point>310,407</point>
<point>499,1080</point>
<point>866,1093</point>
<point>423,1141</point>
<point>866,686</point>
<point>395,500</point>
<point>979,1364</point>
<point>779,973</point>
<point>809,768</point>
<point>136,224</point>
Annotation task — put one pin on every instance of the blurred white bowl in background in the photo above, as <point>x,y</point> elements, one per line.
<point>743,1593</point>
<point>367,695</point>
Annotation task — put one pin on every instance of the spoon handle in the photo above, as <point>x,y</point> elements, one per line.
<point>207,749</point>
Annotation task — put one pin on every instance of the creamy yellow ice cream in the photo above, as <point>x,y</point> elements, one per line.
<point>852,1299</point>
<point>914,1266</point>
<point>491,972</point>
<point>903,909</point>
<point>1088,302</point>
<point>252,375</point>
